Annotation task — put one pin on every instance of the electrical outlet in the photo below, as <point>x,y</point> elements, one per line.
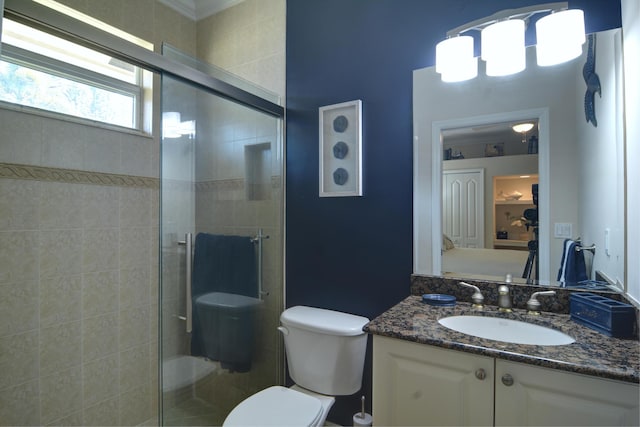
<point>563,230</point>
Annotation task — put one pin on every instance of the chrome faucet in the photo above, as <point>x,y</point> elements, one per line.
<point>533,305</point>
<point>504,299</point>
<point>477,298</point>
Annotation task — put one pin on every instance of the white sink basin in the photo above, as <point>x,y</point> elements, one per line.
<point>513,331</point>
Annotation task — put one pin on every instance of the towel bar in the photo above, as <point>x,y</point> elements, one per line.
<point>258,239</point>
<point>591,248</point>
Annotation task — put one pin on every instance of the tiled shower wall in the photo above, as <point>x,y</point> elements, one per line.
<point>79,255</point>
<point>78,341</point>
<point>249,41</point>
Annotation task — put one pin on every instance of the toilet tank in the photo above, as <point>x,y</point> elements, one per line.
<point>325,349</point>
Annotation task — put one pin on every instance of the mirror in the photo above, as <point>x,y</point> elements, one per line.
<point>579,165</point>
<point>488,177</point>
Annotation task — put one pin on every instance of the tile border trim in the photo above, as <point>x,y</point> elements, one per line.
<point>73,176</point>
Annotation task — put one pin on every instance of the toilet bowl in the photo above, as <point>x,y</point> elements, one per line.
<point>281,406</point>
<point>325,356</point>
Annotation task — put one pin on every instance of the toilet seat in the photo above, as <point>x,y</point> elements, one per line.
<point>276,406</point>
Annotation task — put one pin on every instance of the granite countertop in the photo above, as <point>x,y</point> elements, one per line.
<point>592,353</point>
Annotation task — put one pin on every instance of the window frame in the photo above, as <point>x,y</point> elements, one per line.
<point>61,69</point>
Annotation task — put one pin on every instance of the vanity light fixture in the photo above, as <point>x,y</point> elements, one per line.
<point>455,60</point>
<point>502,47</point>
<point>560,36</point>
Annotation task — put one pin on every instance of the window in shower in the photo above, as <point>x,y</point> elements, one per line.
<point>43,72</point>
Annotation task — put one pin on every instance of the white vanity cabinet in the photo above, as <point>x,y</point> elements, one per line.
<point>531,395</point>
<point>417,384</point>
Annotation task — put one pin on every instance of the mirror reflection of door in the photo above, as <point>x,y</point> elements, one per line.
<point>487,173</point>
<point>463,207</point>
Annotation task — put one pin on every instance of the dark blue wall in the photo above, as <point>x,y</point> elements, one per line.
<point>354,254</point>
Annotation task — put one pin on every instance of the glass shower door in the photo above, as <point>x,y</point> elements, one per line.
<point>221,244</point>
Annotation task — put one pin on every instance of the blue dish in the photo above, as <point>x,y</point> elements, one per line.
<point>440,300</point>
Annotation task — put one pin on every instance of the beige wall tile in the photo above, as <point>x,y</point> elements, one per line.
<point>19,207</point>
<point>102,151</point>
<point>73,419</point>
<point>135,207</point>
<point>21,136</point>
<point>60,394</point>
<point>136,17</point>
<point>60,253</point>
<point>104,413</point>
<point>100,249</point>
<point>20,405</point>
<point>19,255</point>
<point>133,327</point>
<point>60,300</point>
<point>100,293</point>
<point>135,157</point>
<point>60,348</point>
<point>99,336</point>
<point>134,247</point>
<point>19,307</point>
<point>134,287</point>
<point>100,380</point>
<point>100,206</point>
<point>18,359</point>
<point>135,406</point>
<point>63,144</point>
<point>60,205</point>
<point>134,367</point>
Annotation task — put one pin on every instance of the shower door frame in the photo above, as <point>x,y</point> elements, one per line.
<point>79,32</point>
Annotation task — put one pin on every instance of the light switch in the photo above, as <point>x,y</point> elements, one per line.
<point>563,230</point>
<point>607,241</point>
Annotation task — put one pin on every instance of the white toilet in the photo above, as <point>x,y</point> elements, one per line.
<point>325,354</point>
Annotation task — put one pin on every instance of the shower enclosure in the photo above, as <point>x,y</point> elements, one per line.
<point>95,326</point>
<point>221,185</point>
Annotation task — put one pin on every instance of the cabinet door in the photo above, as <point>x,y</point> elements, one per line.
<point>421,385</point>
<point>546,397</point>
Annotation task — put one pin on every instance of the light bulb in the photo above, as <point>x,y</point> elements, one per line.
<point>454,59</point>
<point>503,47</point>
<point>560,37</point>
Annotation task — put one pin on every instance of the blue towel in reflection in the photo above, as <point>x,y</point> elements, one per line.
<point>573,268</point>
<point>224,264</point>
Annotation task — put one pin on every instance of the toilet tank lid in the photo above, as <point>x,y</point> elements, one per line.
<point>324,321</point>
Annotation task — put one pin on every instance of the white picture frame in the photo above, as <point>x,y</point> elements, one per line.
<point>340,149</point>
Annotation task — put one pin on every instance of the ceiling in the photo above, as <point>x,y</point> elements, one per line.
<point>486,133</point>
<point>199,9</point>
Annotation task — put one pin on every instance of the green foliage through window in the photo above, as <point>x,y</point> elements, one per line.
<point>39,70</point>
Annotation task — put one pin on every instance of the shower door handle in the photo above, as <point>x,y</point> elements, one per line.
<point>188,251</point>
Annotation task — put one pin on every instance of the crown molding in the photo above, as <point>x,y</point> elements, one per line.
<point>199,9</point>
<point>183,7</point>
<point>206,8</point>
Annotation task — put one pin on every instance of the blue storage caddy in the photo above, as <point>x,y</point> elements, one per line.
<point>611,317</point>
